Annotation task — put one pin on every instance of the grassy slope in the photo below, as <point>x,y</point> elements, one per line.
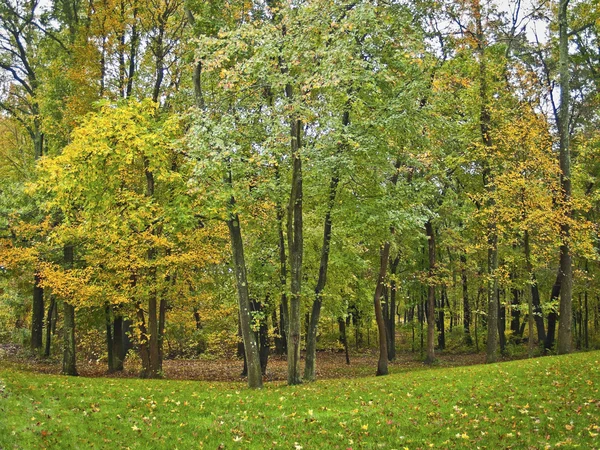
<point>534,404</point>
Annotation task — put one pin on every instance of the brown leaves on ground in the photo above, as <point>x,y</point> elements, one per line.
<point>329,365</point>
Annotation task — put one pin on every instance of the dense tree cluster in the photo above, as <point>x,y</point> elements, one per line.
<point>173,166</point>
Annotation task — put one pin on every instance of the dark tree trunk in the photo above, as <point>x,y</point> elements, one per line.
<point>552,316</point>
<point>430,358</point>
<point>110,342</point>
<point>344,337</point>
<point>118,343</point>
<point>283,306</point>
<point>250,345</point>
<point>441,319</point>
<point>382,364</point>
<point>295,243</point>
<point>466,306</point>
<point>538,315</point>
<point>502,324</point>
<point>515,312</point>
<point>162,317</point>
<point>37,315</point>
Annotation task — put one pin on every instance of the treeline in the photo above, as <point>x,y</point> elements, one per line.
<point>348,162</point>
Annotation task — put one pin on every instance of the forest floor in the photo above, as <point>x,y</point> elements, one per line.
<point>330,365</point>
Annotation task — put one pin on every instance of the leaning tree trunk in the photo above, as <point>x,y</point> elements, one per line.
<point>239,261</point>
<point>566,265</point>
<point>311,341</point>
<point>382,363</point>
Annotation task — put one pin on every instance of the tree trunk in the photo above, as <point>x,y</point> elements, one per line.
<point>430,358</point>
<point>69,362</point>
<point>110,342</point>
<point>391,324</point>
<point>515,312</point>
<point>502,324</point>
<point>566,269</point>
<point>552,316</point>
<point>37,315</point>
<point>466,307</point>
<point>49,326</point>
<point>118,343</point>
<point>343,337</point>
<point>295,243</point>
<point>535,293</point>
<point>382,364</point>
<point>248,336</point>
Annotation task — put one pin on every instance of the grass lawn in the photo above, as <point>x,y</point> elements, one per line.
<point>528,404</point>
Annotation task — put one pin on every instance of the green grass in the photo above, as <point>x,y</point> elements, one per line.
<point>529,404</point>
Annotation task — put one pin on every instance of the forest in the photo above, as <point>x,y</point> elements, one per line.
<point>187,178</point>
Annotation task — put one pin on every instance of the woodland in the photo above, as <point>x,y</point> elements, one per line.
<point>189,179</point>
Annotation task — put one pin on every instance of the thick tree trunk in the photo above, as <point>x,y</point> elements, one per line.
<point>118,343</point>
<point>566,266</point>
<point>248,336</point>
<point>382,364</point>
<point>69,361</point>
<point>430,357</point>
<point>295,243</point>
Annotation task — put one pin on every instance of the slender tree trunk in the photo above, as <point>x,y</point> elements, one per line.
<point>311,340</point>
<point>566,269</point>
<point>344,337</point>
<point>37,315</point>
<point>552,316</point>
<point>535,294</point>
<point>430,358</point>
<point>466,307</point>
<point>69,361</point>
<point>502,323</point>
<point>283,307</point>
<point>110,343</point>
<point>248,336</point>
<point>515,312</point>
<point>382,364</point>
<point>49,326</point>
<point>391,324</point>
<point>162,318</point>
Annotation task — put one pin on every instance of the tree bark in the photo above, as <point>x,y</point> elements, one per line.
<point>466,306</point>
<point>295,243</point>
<point>343,337</point>
<point>382,363</point>
<point>239,261</point>
<point>37,315</point>
<point>430,357</point>
<point>566,266</point>
<point>118,343</point>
